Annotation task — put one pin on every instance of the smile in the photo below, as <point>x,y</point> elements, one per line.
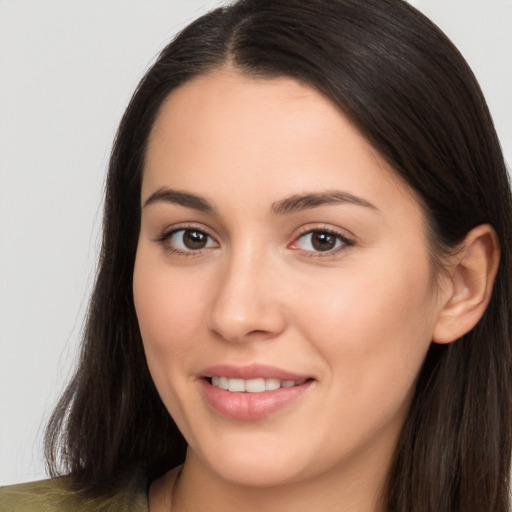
<point>257,385</point>
<point>251,392</point>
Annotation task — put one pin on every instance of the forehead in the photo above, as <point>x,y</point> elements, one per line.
<point>225,100</point>
<point>225,132</point>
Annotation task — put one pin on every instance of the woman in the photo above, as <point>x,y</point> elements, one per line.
<point>303,299</point>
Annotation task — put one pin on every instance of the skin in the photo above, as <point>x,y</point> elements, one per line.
<point>356,320</point>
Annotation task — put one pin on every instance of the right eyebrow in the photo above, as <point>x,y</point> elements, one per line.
<point>181,198</point>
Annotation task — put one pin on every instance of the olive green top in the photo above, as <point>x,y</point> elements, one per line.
<point>57,495</point>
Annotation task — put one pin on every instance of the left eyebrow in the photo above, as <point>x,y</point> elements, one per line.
<point>300,202</point>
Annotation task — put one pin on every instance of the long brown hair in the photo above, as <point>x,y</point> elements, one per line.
<point>409,91</point>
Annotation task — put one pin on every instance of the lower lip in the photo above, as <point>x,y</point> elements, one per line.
<point>250,406</point>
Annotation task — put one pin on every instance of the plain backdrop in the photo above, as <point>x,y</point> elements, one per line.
<point>67,70</point>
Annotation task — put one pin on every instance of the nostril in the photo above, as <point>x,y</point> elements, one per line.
<point>256,332</point>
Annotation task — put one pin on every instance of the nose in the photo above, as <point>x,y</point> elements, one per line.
<point>246,304</point>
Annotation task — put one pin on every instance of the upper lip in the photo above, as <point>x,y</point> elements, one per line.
<point>252,371</point>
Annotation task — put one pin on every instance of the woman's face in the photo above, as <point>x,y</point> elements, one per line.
<point>278,253</point>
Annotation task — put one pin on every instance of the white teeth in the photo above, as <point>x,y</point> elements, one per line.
<point>236,384</point>
<point>257,385</point>
<point>271,384</point>
<point>220,382</point>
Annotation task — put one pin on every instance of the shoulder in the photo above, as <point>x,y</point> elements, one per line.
<point>44,496</point>
<point>59,495</point>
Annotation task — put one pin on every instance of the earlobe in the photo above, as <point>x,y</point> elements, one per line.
<point>471,279</point>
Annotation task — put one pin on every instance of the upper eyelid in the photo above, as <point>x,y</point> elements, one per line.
<point>168,231</point>
<point>308,228</point>
<point>340,236</point>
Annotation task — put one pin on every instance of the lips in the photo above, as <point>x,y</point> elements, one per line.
<point>252,371</point>
<point>251,392</point>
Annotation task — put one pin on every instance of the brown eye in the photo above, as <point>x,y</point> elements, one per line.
<point>320,241</point>
<point>195,239</point>
<point>190,240</point>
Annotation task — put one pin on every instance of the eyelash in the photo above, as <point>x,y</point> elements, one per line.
<point>166,236</point>
<point>342,240</point>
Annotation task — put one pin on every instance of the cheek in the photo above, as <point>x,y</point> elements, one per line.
<point>168,306</point>
<point>373,329</point>
<point>365,307</point>
<point>169,311</point>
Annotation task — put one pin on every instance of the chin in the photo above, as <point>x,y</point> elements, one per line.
<point>257,473</point>
<point>261,466</point>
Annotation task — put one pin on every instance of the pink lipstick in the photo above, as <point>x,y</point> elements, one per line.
<point>251,392</point>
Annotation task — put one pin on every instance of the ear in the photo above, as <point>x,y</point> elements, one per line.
<point>468,287</point>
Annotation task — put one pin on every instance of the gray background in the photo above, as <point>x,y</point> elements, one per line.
<point>67,70</point>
